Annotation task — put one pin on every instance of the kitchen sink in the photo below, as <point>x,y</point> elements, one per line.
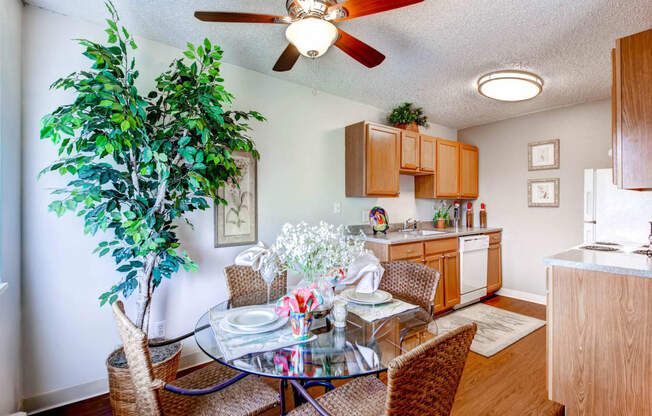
<point>427,232</point>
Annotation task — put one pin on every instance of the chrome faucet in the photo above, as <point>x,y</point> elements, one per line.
<point>409,225</point>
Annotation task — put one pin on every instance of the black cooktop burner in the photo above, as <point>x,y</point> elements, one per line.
<point>644,251</point>
<point>598,248</point>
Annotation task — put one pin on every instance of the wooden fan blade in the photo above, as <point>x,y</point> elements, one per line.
<point>227,17</point>
<point>287,59</point>
<point>359,50</point>
<point>358,8</point>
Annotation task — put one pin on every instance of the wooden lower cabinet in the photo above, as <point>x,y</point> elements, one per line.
<point>437,262</point>
<point>451,276</point>
<point>443,255</point>
<point>448,289</point>
<point>494,268</point>
<point>599,335</point>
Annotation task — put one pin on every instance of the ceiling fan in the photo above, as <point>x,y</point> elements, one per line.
<point>311,31</point>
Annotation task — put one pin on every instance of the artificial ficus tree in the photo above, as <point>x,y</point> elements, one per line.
<point>139,164</point>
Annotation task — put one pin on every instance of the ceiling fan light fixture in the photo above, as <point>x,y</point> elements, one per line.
<point>312,36</point>
<point>510,85</point>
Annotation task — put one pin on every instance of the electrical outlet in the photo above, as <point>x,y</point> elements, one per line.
<point>157,330</point>
<point>337,207</point>
<point>364,217</point>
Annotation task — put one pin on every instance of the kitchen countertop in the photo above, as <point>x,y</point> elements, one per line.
<point>396,237</point>
<point>624,262</point>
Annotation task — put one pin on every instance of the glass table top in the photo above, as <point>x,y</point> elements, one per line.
<point>361,348</point>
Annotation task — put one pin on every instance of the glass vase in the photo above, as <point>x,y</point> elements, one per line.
<point>324,288</point>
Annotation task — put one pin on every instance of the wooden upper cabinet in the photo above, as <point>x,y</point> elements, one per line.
<point>632,95</point>
<point>372,160</point>
<point>428,159</point>
<point>494,268</point>
<point>447,183</point>
<point>409,150</point>
<point>468,171</point>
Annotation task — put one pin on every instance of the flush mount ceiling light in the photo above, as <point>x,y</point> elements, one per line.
<point>510,85</point>
<point>312,36</point>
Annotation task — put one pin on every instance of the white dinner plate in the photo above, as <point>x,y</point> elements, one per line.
<point>376,298</point>
<point>258,330</point>
<point>254,317</point>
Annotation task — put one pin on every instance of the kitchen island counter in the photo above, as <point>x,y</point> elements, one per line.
<point>624,262</point>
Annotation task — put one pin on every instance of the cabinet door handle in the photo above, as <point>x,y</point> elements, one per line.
<point>410,250</point>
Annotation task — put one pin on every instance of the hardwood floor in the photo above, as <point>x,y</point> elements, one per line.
<point>511,382</point>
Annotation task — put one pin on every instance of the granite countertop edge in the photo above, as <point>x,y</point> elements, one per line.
<point>605,268</point>
<point>449,233</point>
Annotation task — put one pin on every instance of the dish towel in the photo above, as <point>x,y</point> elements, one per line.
<point>234,346</point>
<point>259,258</point>
<point>366,271</point>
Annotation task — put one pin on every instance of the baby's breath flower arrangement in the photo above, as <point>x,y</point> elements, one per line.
<point>316,251</point>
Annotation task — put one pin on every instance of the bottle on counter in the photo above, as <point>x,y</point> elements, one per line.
<point>469,215</point>
<point>483,216</point>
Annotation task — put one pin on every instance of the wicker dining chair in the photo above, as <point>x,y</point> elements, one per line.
<point>247,286</point>
<point>421,382</point>
<point>413,283</point>
<point>231,393</point>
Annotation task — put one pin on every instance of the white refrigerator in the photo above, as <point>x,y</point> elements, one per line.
<point>612,214</point>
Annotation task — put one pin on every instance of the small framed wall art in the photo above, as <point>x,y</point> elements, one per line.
<point>236,224</point>
<point>543,192</point>
<point>543,155</point>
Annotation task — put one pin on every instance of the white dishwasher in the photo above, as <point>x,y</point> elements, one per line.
<point>473,268</point>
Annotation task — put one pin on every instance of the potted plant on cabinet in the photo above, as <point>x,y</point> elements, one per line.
<point>140,163</point>
<point>442,216</point>
<point>407,117</point>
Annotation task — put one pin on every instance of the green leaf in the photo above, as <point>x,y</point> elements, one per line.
<point>189,55</point>
<point>184,141</point>
<point>125,125</point>
<point>147,155</point>
<point>112,24</point>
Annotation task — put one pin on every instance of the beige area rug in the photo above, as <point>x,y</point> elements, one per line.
<point>497,328</point>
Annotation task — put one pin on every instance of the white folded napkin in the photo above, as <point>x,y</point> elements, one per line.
<point>366,271</point>
<point>259,258</point>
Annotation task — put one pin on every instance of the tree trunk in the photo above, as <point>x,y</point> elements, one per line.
<point>145,293</point>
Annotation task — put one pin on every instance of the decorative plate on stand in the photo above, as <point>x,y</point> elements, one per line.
<point>378,220</point>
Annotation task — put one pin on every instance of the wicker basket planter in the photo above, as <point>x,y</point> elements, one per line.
<point>121,391</point>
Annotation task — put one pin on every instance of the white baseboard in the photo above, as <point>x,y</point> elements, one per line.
<point>94,388</point>
<point>517,294</point>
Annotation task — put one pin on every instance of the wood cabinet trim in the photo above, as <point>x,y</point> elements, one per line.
<point>406,251</point>
<point>432,247</point>
<point>468,171</point>
<point>425,165</point>
<point>410,160</point>
<point>371,169</point>
<point>445,168</point>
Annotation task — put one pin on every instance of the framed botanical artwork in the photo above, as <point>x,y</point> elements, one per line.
<point>236,224</point>
<point>543,192</point>
<point>543,155</point>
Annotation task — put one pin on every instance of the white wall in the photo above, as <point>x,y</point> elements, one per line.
<point>532,233</point>
<point>301,174</point>
<point>10,134</point>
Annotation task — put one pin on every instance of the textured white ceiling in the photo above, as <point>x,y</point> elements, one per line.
<point>435,50</point>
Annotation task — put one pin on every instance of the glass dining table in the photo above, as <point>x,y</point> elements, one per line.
<point>373,336</point>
